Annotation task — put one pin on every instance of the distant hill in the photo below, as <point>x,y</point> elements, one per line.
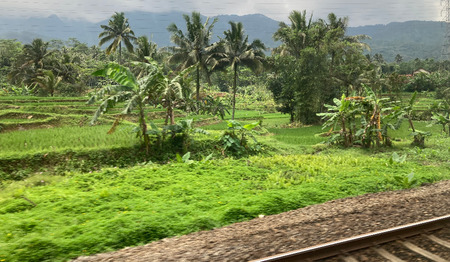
<point>413,39</point>
<point>153,25</point>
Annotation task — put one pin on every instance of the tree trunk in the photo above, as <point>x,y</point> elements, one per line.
<point>120,53</point>
<point>234,91</point>
<point>344,132</point>
<point>208,78</point>
<point>144,128</point>
<point>411,124</point>
<point>171,114</point>
<point>166,120</point>
<point>198,83</point>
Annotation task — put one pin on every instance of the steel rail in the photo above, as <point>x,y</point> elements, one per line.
<point>359,242</point>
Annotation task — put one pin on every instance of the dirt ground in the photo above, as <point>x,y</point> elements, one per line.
<point>270,235</point>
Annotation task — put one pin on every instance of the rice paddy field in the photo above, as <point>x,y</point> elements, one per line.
<point>69,189</point>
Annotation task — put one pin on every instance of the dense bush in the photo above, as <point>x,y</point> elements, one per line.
<point>424,82</point>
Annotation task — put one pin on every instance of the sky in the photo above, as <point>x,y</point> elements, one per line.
<point>360,12</point>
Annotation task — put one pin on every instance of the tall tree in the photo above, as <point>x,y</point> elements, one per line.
<point>323,60</point>
<point>236,51</point>
<point>48,81</point>
<point>145,49</point>
<point>34,58</point>
<point>398,59</point>
<point>9,52</point>
<point>296,36</point>
<point>193,47</point>
<point>117,30</point>
<point>35,53</point>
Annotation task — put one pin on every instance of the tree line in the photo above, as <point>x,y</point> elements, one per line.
<point>315,62</point>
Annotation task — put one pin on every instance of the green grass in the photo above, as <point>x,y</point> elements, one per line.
<point>305,136</point>
<point>63,138</point>
<point>405,132</point>
<point>269,120</point>
<point>101,211</point>
<point>43,98</point>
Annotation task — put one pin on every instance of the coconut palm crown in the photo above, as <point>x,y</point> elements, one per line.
<point>118,30</point>
<point>193,47</point>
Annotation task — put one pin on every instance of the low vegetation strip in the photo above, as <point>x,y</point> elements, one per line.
<point>57,218</point>
<point>63,138</point>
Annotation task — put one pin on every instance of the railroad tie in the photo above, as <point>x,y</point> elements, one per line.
<point>348,258</point>
<point>422,251</point>
<point>439,241</point>
<point>384,253</point>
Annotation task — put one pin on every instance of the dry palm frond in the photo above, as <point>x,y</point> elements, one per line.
<point>115,124</point>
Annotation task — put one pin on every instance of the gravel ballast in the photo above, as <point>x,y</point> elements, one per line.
<point>312,225</point>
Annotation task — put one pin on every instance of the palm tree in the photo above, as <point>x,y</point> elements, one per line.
<point>236,51</point>
<point>118,30</point>
<point>35,53</point>
<point>48,81</point>
<point>296,36</point>
<point>145,49</point>
<point>35,58</point>
<point>193,47</point>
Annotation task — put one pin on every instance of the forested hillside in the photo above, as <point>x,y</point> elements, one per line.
<point>412,39</point>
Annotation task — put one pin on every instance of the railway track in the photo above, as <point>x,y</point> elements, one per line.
<point>394,244</point>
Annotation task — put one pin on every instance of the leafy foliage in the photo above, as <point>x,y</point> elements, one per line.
<point>315,61</point>
<point>362,120</point>
<point>235,140</point>
<point>407,181</point>
<point>396,158</point>
<point>407,112</point>
<point>441,116</point>
<point>214,106</point>
<point>155,86</point>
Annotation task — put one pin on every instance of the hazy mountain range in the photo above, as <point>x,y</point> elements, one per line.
<point>413,39</point>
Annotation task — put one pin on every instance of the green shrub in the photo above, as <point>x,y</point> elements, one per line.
<point>235,140</point>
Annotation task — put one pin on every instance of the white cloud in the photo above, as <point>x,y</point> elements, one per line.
<point>360,12</point>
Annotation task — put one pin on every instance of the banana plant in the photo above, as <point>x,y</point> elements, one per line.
<point>235,141</point>
<point>362,120</point>
<point>127,88</point>
<point>152,85</point>
<point>47,81</point>
<point>342,114</point>
<point>374,118</point>
<point>419,136</point>
<point>441,116</point>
